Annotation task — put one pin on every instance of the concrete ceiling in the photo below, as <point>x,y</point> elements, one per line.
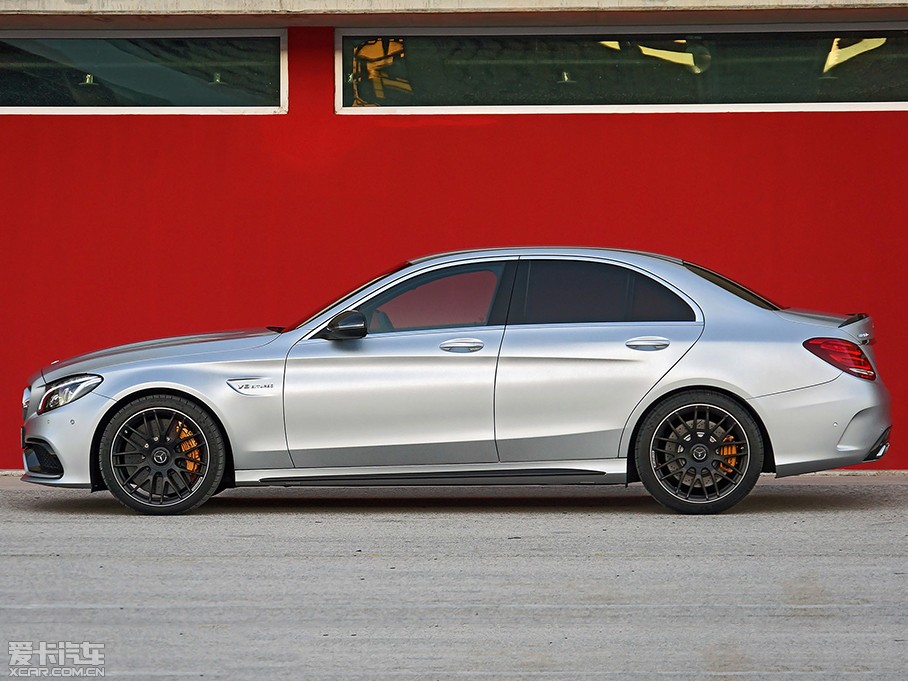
<point>94,14</point>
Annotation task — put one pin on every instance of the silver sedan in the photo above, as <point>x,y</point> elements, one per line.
<point>542,365</point>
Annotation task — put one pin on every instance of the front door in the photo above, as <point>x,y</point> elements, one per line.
<point>418,389</point>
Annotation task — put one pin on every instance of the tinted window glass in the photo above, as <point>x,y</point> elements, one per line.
<point>624,69</point>
<point>732,287</point>
<point>561,292</point>
<point>454,297</point>
<point>652,302</point>
<point>147,71</point>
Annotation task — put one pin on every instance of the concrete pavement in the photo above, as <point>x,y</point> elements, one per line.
<point>806,579</point>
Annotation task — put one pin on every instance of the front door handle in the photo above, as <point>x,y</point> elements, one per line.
<point>462,345</point>
<point>648,343</point>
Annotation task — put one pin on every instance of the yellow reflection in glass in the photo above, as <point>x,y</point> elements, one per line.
<point>839,55</point>
<point>371,60</point>
<point>696,58</point>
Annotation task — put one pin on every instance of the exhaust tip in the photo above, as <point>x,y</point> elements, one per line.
<point>879,448</point>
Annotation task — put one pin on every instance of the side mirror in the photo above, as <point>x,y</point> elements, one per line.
<point>348,325</point>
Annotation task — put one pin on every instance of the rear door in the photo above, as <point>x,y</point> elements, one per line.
<point>584,342</point>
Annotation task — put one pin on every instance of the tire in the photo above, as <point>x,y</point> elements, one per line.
<point>162,455</point>
<point>699,452</point>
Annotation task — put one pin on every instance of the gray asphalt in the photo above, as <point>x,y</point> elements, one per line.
<point>806,579</point>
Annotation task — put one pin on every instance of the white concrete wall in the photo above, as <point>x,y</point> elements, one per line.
<point>43,14</point>
<point>309,7</point>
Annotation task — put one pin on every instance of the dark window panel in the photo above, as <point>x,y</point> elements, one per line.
<point>139,72</point>
<point>522,70</point>
<point>577,292</point>
<point>652,302</point>
<point>560,292</point>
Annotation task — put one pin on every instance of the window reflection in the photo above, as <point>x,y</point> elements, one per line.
<point>455,297</point>
<point>206,72</point>
<point>378,71</point>
<point>844,49</point>
<point>489,70</point>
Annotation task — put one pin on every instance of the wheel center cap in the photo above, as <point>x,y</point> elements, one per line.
<point>160,456</point>
<point>699,452</point>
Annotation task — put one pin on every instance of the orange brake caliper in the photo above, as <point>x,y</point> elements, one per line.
<point>190,446</point>
<point>728,452</point>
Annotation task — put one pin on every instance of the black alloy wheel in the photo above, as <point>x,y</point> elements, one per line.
<point>162,454</point>
<point>699,452</point>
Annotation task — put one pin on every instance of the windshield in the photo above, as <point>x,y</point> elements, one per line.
<point>352,293</point>
<point>733,287</point>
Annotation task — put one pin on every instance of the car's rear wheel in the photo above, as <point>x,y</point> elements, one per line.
<point>699,452</point>
<point>162,455</point>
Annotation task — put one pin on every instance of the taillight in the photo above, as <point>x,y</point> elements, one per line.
<point>842,354</point>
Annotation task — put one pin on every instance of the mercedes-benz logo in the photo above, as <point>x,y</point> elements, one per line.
<point>160,456</point>
<point>699,452</point>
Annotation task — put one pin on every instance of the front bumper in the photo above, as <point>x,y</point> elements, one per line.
<point>840,423</point>
<point>57,444</point>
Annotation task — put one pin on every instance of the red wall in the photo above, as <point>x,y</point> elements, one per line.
<point>120,228</point>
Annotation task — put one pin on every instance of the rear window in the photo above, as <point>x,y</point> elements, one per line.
<point>732,287</point>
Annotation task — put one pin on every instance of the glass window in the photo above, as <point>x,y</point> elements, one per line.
<point>564,292</point>
<point>608,69</point>
<point>454,297</point>
<point>148,71</point>
<point>732,287</point>
<point>650,301</point>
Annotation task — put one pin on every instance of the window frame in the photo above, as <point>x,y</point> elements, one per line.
<point>382,285</point>
<point>282,107</point>
<point>629,31</point>
<point>517,297</point>
<point>501,296</point>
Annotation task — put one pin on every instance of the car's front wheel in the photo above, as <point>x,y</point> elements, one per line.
<point>699,452</point>
<point>162,455</point>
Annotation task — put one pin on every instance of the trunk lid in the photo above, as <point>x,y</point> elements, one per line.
<point>858,327</point>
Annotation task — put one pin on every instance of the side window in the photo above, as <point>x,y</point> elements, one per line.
<point>454,297</point>
<point>652,302</point>
<point>565,292</point>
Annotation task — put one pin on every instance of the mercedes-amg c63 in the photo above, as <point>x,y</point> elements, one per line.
<point>528,366</point>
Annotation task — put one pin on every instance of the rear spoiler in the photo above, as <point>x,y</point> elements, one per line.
<point>853,318</point>
<point>860,326</point>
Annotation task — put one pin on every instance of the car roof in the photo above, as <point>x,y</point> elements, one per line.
<point>544,250</point>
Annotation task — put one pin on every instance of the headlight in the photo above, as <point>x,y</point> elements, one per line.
<point>26,400</point>
<point>67,390</point>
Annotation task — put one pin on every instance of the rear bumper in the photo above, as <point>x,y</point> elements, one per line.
<point>840,423</point>
<point>880,447</point>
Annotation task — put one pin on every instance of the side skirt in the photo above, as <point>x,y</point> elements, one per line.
<point>599,471</point>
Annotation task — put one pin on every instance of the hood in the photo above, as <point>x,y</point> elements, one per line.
<point>178,346</point>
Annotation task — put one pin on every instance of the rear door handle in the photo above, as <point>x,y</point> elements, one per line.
<point>648,343</point>
<point>462,345</point>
